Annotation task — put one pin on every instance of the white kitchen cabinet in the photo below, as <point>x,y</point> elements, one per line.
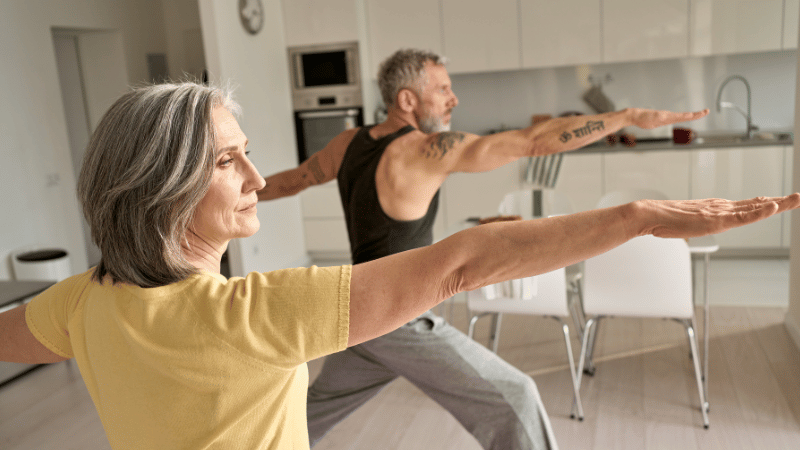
<point>581,180</point>
<point>736,26</point>
<point>477,194</point>
<point>740,173</point>
<point>636,30</point>
<point>791,14</point>
<point>323,218</point>
<point>313,22</point>
<point>481,36</point>
<point>788,162</point>
<point>560,33</point>
<point>408,24</point>
<point>666,171</point>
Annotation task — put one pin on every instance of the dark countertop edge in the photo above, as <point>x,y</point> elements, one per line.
<point>603,147</point>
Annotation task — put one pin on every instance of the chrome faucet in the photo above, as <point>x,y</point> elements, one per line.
<point>747,116</point>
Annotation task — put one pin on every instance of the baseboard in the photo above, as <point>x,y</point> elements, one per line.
<point>794,329</point>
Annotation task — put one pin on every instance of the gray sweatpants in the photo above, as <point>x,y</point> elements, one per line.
<point>493,400</point>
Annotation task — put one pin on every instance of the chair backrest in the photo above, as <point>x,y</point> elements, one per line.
<point>530,203</point>
<point>615,198</point>
<point>544,294</point>
<point>644,277</point>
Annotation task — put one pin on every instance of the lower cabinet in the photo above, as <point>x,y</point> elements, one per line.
<point>740,173</point>
<point>665,171</point>
<point>323,218</point>
<point>732,173</point>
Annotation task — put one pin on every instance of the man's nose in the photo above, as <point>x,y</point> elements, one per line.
<point>454,101</point>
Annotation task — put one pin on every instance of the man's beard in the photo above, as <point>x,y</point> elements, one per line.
<point>432,124</point>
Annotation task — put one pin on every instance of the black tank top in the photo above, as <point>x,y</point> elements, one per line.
<point>372,233</point>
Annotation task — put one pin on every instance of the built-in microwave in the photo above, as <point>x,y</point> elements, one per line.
<point>325,76</point>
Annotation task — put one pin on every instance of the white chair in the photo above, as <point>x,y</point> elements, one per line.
<point>544,295</point>
<point>537,203</point>
<point>645,277</point>
<point>612,198</point>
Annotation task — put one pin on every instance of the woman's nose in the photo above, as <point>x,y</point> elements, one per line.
<point>253,179</point>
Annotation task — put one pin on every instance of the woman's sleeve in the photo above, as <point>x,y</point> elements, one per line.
<point>48,315</point>
<point>287,316</point>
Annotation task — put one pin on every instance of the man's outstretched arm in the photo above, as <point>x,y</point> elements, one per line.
<point>464,152</point>
<point>319,168</point>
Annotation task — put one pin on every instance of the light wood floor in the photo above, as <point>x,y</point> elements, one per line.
<point>643,395</point>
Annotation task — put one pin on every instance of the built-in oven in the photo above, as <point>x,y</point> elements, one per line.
<point>316,128</point>
<point>326,93</point>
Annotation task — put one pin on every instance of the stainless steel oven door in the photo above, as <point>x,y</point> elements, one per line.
<point>316,128</point>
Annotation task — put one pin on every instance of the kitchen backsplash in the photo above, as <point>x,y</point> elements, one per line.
<point>490,101</point>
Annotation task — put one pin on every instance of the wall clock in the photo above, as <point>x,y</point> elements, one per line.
<point>251,12</point>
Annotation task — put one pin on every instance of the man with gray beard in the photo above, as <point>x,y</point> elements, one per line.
<point>389,177</point>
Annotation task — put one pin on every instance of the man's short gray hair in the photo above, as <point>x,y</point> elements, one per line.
<point>405,69</point>
<point>147,166</point>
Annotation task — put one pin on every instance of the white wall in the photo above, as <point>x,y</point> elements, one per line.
<point>257,65</point>
<point>792,320</point>
<point>39,205</point>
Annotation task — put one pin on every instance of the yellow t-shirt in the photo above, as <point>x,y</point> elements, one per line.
<point>206,363</point>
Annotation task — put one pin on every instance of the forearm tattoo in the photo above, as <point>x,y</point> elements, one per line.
<point>316,169</point>
<point>586,130</point>
<point>442,143</point>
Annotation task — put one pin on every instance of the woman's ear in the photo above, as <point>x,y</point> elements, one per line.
<point>407,100</point>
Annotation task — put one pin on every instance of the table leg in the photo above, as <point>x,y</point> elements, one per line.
<point>705,324</point>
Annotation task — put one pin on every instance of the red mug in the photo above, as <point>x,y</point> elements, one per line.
<point>682,135</point>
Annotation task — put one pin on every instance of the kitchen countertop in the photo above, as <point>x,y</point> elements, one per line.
<point>14,291</point>
<point>703,141</point>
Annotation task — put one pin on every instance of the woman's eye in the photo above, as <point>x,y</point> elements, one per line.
<point>226,162</point>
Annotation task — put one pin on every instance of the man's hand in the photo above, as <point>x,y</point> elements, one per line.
<point>649,118</point>
<point>692,218</point>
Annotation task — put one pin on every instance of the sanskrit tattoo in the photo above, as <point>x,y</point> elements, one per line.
<point>442,144</point>
<point>316,169</point>
<point>589,128</point>
<point>565,136</point>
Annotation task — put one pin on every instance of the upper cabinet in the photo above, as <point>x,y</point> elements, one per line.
<point>560,33</point>
<point>791,13</point>
<point>313,22</point>
<point>737,26</point>
<point>635,30</point>
<point>408,24</point>
<point>480,36</point>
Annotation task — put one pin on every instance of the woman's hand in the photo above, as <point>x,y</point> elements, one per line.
<point>692,218</point>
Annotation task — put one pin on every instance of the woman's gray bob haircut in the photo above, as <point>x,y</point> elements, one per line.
<point>405,69</point>
<point>147,166</point>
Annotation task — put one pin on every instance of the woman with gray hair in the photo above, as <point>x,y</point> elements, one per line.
<point>176,356</point>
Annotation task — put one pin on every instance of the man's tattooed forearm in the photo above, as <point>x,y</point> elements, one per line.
<point>316,169</point>
<point>442,143</point>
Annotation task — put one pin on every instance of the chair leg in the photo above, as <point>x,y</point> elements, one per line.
<point>576,402</point>
<point>589,369</point>
<point>473,321</point>
<point>586,335</point>
<point>576,306</point>
<point>696,360</point>
<point>497,322</point>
